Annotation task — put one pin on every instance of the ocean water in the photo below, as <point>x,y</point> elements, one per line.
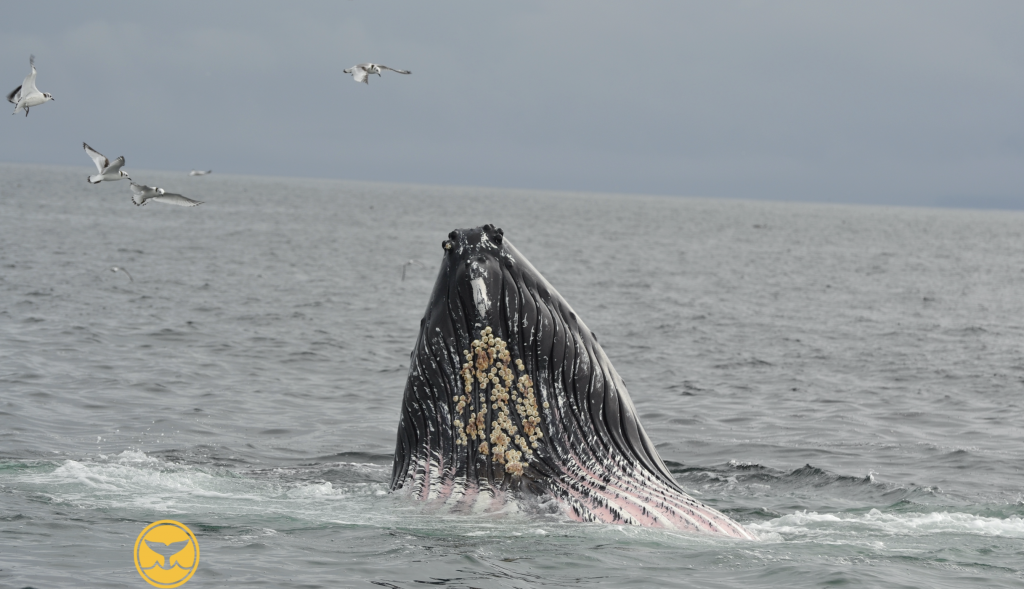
<point>847,382</point>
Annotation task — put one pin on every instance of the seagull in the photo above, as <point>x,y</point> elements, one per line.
<point>143,194</point>
<point>361,72</point>
<point>26,95</point>
<point>120,269</point>
<point>406,265</point>
<point>199,172</point>
<point>108,171</point>
<point>167,550</point>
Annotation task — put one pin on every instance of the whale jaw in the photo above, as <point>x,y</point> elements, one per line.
<point>509,395</point>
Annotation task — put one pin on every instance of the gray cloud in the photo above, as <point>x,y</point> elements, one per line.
<point>903,103</point>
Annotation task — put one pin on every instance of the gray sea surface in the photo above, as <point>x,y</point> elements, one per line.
<point>845,381</point>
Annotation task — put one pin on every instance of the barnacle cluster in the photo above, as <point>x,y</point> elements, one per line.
<point>489,374</point>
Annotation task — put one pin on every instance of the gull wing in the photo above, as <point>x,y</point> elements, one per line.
<point>98,158</point>
<point>29,85</point>
<point>380,65</point>
<point>358,72</point>
<point>141,193</point>
<point>113,166</point>
<point>175,199</point>
<point>15,97</point>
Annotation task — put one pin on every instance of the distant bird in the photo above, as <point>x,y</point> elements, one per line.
<point>167,550</point>
<point>199,172</point>
<point>120,269</point>
<point>361,72</point>
<point>26,95</point>
<point>108,171</point>
<point>143,194</point>
<point>406,265</point>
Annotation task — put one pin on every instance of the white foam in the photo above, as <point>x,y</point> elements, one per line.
<point>315,491</point>
<point>138,456</point>
<point>137,482</point>
<point>77,472</point>
<point>216,495</point>
<point>893,524</point>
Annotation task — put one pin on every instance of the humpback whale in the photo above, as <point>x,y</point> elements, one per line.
<point>509,395</point>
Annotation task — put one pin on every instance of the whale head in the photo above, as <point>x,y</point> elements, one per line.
<point>510,395</point>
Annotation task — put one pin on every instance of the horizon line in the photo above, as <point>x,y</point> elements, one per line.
<point>1004,204</point>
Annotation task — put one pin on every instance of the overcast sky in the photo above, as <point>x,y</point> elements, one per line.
<point>914,103</point>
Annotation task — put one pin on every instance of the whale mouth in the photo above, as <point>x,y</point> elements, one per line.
<point>509,394</point>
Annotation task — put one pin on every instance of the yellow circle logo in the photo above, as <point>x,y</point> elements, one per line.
<point>166,554</point>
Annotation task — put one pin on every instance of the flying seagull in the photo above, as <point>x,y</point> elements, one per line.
<point>120,269</point>
<point>406,265</point>
<point>361,72</point>
<point>143,194</point>
<point>167,550</point>
<point>26,95</point>
<point>108,171</point>
<point>199,172</point>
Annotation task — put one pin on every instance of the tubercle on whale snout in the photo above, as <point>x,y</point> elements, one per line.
<point>509,393</point>
<point>489,232</point>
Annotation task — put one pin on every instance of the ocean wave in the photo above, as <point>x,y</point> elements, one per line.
<point>875,522</point>
<point>136,482</point>
<point>751,479</point>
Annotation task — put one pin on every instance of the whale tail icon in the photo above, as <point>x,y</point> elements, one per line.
<point>167,550</point>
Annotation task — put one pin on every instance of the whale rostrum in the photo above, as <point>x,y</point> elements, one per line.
<point>509,395</point>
